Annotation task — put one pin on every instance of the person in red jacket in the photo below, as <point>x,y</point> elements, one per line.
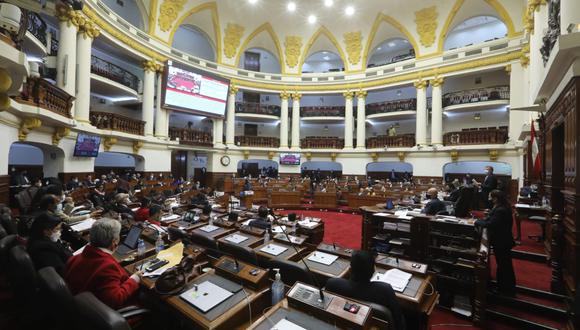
<point>142,214</point>
<point>95,270</point>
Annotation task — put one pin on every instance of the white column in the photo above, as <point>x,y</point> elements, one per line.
<point>361,132</point>
<point>348,120</point>
<point>231,117</point>
<point>437,112</point>
<point>218,133</point>
<point>66,58</point>
<point>518,98</point>
<point>284,119</point>
<point>167,114</point>
<point>161,123</point>
<point>147,114</point>
<point>296,120</point>
<point>85,37</point>
<point>569,14</point>
<point>421,123</point>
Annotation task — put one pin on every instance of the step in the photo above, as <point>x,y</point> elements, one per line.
<point>529,256</point>
<point>539,293</point>
<point>524,319</point>
<point>528,306</point>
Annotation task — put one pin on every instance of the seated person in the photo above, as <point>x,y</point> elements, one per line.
<point>452,191</point>
<point>205,213</point>
<point>262,221</point>
<point>362,265</point>
<point>435,205</point>
<point>247,185</point>
<point>142,213</point>
<point>97,195</point>
<point>52,205</point>
<point>155,212</point>
<point>121,204</point>
<point>44,245</point>
<point>73,184</point>
<point>200,198</point>
<point>96,270</point>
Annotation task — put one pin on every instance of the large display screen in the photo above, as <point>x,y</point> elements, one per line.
<point>190,90</point>
<point>87,145</point>
<point>289,159</point>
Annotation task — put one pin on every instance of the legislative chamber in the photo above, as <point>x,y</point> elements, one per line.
<point>289,164</point>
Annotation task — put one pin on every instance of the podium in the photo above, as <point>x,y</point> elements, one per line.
<point>247,199</point>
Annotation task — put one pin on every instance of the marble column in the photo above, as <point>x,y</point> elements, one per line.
<point>296,120</point>
<point>161,122</point>
<point>66,57</point>
<point>218,133</point>
<point>231,117</point>
<point>437,112</point>
<point>361,118</point>
<point>284,119</point>
<point>147,113</point>
<point>348,120</point>
<point>87,33</point>
<point>421,122</point>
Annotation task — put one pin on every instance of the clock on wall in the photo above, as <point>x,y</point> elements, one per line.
<point>225,160</point>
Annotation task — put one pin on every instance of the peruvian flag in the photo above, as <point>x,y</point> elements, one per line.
<point>535,151</point>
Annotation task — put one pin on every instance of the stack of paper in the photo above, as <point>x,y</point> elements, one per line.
<point>398,279</point>
<point>83,225</point>
<point>170,217</point>
<point>278,229</point>
<point>403,226</point>
<point>236,238</point>
<point>284,324</point>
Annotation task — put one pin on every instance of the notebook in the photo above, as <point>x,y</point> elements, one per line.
<point>322,258</point>
<point>206,297</point>
<point>398,279</point>
<point>273,249</point>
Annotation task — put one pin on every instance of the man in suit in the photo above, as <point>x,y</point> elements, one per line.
<point>96,270</point>
<point>434,205</point>
<point>489,184</point>
<point>73,184</point>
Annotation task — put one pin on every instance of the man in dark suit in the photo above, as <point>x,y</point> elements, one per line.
<point>435,205</point>
<point>489,184</point>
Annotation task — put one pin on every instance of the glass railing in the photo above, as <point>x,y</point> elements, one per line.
<point>483,135</point>
<point>114,73</point>
<point>257,108</point>
<point>477,95</point>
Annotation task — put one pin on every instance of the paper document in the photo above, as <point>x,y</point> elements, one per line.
<point>174,255</point>
<point>273,249</point>
<point>236,238</point>
<point>523,206</point>
<point>307,224</point>
<point>206,296</point>
<point>170,217</point>
<point>83,225</point>
<point>284,324</point>
<point>398,279</point>
<point>209,228</point>
<point>401,213</point>
<point>323,258</point>
<point>382,214</point>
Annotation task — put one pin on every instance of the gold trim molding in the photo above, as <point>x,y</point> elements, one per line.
<point>168,12</point>
<point>59,133</point>
<point>108,142</point>
<point>233,35</point>
<point>27,125</point>
<point>353,42</point>
<point>292,45</point>
<point>137,145</point>
<point>426,20</point>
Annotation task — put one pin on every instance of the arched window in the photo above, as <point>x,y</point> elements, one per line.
<point>192,40</point>
<point>323,61</point>
<point>38,159</point>
<point>391,51</point>
<point>260,60</point>
<point>475,30</point>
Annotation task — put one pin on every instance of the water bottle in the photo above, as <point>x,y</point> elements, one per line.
<point>266,237</point>
<point>294,226</point>
<point>159,244</point>
<point>140,249</point>
<point>277,288</point>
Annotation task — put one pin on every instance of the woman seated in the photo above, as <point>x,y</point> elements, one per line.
<point>44,245</point>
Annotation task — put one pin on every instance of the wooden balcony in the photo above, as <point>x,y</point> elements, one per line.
<point>41,93</point>
<point>257,108</point>
<point>115,122</point>
<point>329,111</point>
<point>477,95</point>
<point>484,135</point>
<point>322,142</point>
<point>391,106</point>
<point>191,136</point>
<point>257,141</point>
<point>397,141</point>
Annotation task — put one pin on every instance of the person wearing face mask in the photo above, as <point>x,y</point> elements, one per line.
<point>73,184</point>
<point>96,270</point>
<point>121,206</point>
<point>44,245</point>
<point>488,184</point>
<point>499,224</point>
<point>53,205</point>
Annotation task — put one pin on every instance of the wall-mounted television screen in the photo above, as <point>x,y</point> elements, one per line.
<point>87,145</point>
<point>190,90</point>
<point>290,159</point>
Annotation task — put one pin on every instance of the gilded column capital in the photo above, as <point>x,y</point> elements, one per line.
<point>109,142</point>
<point>233,89</point>
<point>65,13</point>
<point>296,96</point>
<point>421,84</point>
<point>151,66</point>
<point>89,29</point>
<point>284,95</point>
<point>348,95</point>
<point>437,82</point>
<point>361,94</point>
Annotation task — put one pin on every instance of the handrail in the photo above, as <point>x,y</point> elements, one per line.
<point>257,141</point>
<point>322,111</point>
<point>396,141</point>
<point>114,72</point>
<point>257,108</point>
<point>477,95</point>
<point>322,142</point>
<point>191,136</point>
<point>391,106</point>
<point>116,122</point>
<point>484,135</point>
<point>54,47</point>
<point>37,26</point>
<point>41,93</point>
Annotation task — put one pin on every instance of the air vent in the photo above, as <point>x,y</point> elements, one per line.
<point>497,47</point>
<point>450,57</point>
<point>473,52</point>
<point>123,24</point>
<point>323,79</point>
<point>176,53</point>
<point>306,79</point>
<point>371,74</point>
<point>142,35</point>
<point>194,60</point>
<point>211,65</point>
<point>339,78</point>
<point>408,66</point>
<point>103,7</point>
<point>389,70</point>
<point>261,76</point>
<point>276,78</point>
<point>243,73</point>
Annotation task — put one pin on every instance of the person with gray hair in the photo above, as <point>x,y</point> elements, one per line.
<point>96,270</point>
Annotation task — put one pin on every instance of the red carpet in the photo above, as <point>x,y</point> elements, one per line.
<point>527,244</point>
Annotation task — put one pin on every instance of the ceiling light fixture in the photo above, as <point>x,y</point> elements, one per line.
<point>252,1</point>
<point>291,6</point>
<point>328,3</point>
<point>379,48</point>
<point>311,19</point>
<point>391,44</point>
<point>326,58</point>
<point>349,10</point>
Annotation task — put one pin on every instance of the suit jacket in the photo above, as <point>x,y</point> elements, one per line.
<point>434,206</point>
<point>453,196</point>
<point>45,253</point>
<point>499,224</point>
<point>489,183</point>
<point>96,271</point>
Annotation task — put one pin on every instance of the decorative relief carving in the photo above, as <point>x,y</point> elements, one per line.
<point>493,155</point>
<point>293,45</point>
<point>401,156</point>
<point>233,35</point>
<point>168,12</point>
<point>421,84</point>
<point>375,156</point>
<point>353,41</point>
<point>348,95</point>
<point>108,142</point>
<point>27,125</point>
<point>89,30</point>
<point>233,89</point>
<point>137,145</point>
<point>454,155</point>
<point>65,13</point>
<point>426,20</point>
<point>5,84</point>
<point>59,133</point>
<point>296,96</point>
<point>437,82</point>
<point>361,94</point>
<point>333,156</point>
<point>284,95</point>
<point>152,66</point>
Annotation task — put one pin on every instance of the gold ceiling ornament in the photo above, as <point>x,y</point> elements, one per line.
<point>493,155</point>
<point>437,82</point>
<point>233,35</point>
<point>454,155</point>
<point>375,156</point>
<point>5,80</point>
<point>109,142</point>
<point>271,155</point>
<point>292,46</point>
<point>401,156</point>
<point>284,95</point>
<point>137,145</point>
<point>233,89</point>
<point>421,84</point>
<point>353,41</point>
<point>308,155</point>
<point>246,154</point>
<point>348,95</point>
<point>426,20</point>
<point>361,94</point>
<point>168,12</point>
<point>296,96</point>
<point>59,133</point>
<point>27,125</point>
<point>151,66</point>
<point>89,30</point>
<point>333,156</point>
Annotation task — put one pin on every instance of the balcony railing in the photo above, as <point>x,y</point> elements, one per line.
<point>257,141</point>
<point>330,111</point>
<point>395,59</point>
<point>477,95</point>
<point>115,122</point>
<point>491,135</point>
<point>191,136</point>
<point>397,141</point>
<point>37,26</point>
<point>41,93</point>
<point>53,47</point>
<point>391,106</point>
<point>114,73</point>
<point>257,108</point>
<point>322,142</point>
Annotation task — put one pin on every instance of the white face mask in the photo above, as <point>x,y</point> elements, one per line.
<point>59,207</point>
<point>55,236</point>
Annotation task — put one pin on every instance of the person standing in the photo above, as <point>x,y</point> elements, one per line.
<point>489,184</point>
<point>499,224</point>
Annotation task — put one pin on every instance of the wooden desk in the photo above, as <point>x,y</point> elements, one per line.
<point>284,199</point>
<point>251,242</point>
<point>289,254</point>
<point>525,211</point>
<point>325,199</point>
<point>281,311</point>
<point>355,201</point>
<point>339,268</point>
<point>220,232</point>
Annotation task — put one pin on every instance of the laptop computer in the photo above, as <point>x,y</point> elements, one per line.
<point>131,241</point>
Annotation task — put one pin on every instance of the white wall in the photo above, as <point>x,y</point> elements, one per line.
<point>193,41</point>
<point>388,166</point>
<point>109,107</point>
<point>454,121</point>
<point>322,165</point>
<point>474,35</point>
<point>113,159</point>
<point>270,129</point>
<point>261,163</point>
<point>488,79</point>
<point>268,62</point>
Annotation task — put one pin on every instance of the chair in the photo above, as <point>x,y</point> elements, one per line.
<point>239,252</point>
<point>6,244</point>
<point>3,232</point>
<point>8,224</point>
<point>208,243</point>
<point>292,271</point>
<point>58,299</point>
<point>92,314</point>
<point>24,281</point>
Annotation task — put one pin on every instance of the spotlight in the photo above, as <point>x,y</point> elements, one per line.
<point>328,3</point>
<point>252,1</point>
<point>311,19</point>
<point>349,10</point>
<point>291,6</point>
